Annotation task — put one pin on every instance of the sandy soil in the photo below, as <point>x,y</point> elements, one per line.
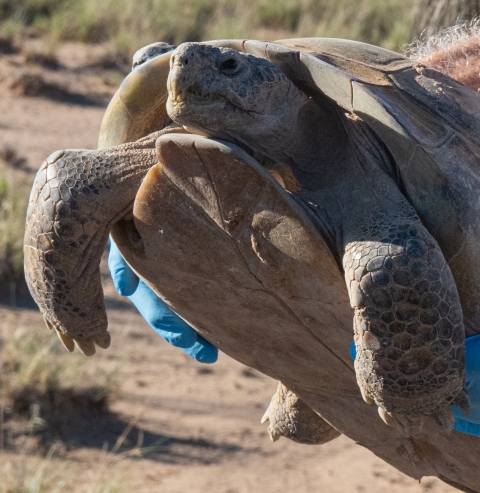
<point>198,426</point>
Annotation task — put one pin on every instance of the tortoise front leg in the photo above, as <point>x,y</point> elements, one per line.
<point>76,197</point>
<point>408,322</point>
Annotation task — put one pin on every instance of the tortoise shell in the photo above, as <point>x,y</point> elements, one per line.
<point>429,122</point>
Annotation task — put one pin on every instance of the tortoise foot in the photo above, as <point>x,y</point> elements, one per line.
<point>290,417</point>
<point>86,346</point>
<point>407,425</point>
<point>413,425</point>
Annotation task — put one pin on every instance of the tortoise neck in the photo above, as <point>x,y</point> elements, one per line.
<point>339,149</point>
<point>317,148</point>
<point>368,156</point>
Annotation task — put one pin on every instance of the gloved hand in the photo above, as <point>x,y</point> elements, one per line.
<point>470,424</point>
<point>165,323</point>
<point>466,424</point>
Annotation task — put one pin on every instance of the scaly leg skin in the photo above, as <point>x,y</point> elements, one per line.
<point>76,197</point>
<point>290,417</point>
<point>408,322</point>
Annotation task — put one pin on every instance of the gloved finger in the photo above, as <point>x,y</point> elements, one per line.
<point>464,426</point>
<point>163,320</point>
<point>353,351</point>
<point>124,279</point>
<point>472,384</point>
<point>202,351</point>
<point>470,424</point>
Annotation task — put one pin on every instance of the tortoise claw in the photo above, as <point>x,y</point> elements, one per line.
<point>47,322</point>
<point>444,419</point>
<point>387,417</point>
<point>408,425</point>
<point>86,346</point>
<point>102,340</point>
<point>66,341</point>
<point>272,431</point>
<point>365,397</point>
<point>273,435</point>
<point>462,401</point>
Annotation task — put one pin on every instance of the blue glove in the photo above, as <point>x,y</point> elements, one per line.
<point>163,321</point>
<point>466,424</point>
<point>470,424</point>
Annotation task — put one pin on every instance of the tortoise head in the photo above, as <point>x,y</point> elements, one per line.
<point>220,92</point>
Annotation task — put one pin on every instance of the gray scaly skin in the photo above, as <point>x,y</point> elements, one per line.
<point>76,197</point>
<point>408,323</point>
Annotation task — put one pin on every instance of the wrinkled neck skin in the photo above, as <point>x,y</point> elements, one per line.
<point>301,134</point>
<point>327,149</point>
<point>362,185</point>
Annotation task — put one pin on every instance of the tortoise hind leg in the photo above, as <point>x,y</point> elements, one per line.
<point>290,417</point>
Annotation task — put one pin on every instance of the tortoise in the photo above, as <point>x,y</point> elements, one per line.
<point>278,212</point>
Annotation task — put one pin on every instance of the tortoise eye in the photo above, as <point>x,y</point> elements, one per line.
<point>229,66</point>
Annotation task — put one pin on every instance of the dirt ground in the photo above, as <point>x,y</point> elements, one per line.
<point>191,427</point>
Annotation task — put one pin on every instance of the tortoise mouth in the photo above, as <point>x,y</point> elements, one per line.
<point>205,114</point>
<point>184,96</point>
<point>190,99</point>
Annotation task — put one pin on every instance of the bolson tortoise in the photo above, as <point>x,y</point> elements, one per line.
<point>267,192</point>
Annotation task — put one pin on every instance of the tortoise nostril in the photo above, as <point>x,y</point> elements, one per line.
<point>229,66</point>
<point>186,61</point>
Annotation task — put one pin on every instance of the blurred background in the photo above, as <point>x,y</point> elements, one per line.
<point>129,25</point>
<point>141,414</point>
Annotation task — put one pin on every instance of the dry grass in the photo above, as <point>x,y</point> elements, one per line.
<point>42,387</point>
<point>43,392</point>
<point>45,387</point>
<point>130,25</point>
<point>431,16</point>
<point>53,474</point>
<point>14,194</point>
